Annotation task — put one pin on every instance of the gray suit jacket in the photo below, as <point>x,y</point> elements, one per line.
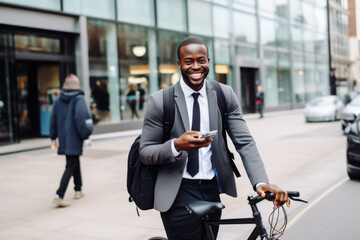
<point>154,151</point>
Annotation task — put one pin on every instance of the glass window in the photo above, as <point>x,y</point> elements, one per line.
<point>2,42</point>
<point>5,109</point>
<point>221,2</point>
<point>245,29</point>
<point>282,35</point>
<point>171,14</point>
<point>200,23</point>
<point>267,5</point>
<point>297,42</point>
<point>284,79</point>
<point>309,41</point>
<point>309,79</point>
<point>136,11</point>
<point>43,4</point>
<point>282,8</point>
<point>168,70</point>
<point>320,3</point>
<point>221,22</point>
<point>267,28</point>
<point>298,74</point>
<point>250,52</point>
<point>271,84</point>
<point>34,43</point>
<point>246,2</point>
<point>222,52</point>
<point>296,11</point>
<point>138,68</point>
<point>321,19</point>
<point>308,13</point>
<point>94,8</point>
<point>103,62</point>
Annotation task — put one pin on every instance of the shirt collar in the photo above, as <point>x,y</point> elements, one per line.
<point>188,90</point>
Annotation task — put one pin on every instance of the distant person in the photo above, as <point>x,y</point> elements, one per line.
<point>141,97</point>
<point>71,123</point>
<point>260,101</point>
<point>94,113</point>
<point>131,100</point>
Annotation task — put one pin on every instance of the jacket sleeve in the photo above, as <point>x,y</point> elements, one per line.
<point>53,123</point>
<point>83,122</point>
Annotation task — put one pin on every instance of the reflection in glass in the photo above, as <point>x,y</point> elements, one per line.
<point>297,42</point>
<point>250,52</point>
<point>136,11</point>
<point>309,41</point>
<point>94,8</point>
<point>222,52</point>
<point>221,22</point>
<point>271,83</point>
<point>171,14</point>
<point>33,43</point>
<point>5,110</point>
<point>199,23</point>
<point>282,35</point>
<point>103,61</point>
<point>168,71</point>
<point>298,74</point>
<point>267,29</point>
<point>309,78</point>
<point>245,32</point>
<point>138,68</point>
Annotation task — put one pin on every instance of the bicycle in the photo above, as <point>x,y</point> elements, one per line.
<point>202,209</point>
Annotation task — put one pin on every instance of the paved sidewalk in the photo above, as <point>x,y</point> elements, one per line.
<point>29,179</point>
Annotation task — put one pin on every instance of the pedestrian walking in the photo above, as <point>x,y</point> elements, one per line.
<point>194,168</point>
<point>142,97</point>
<point>260,101</point>
<point>131,100</point>
<point>70,125</point>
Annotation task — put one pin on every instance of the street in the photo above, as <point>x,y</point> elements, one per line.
<point>299,156</point>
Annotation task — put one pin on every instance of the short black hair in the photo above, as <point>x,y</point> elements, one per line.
<point>189,41</point>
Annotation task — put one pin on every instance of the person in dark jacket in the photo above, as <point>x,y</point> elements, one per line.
<point>71,124</point>
<point>260,101</point>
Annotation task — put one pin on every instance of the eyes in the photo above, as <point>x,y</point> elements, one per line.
<point>190,61</point>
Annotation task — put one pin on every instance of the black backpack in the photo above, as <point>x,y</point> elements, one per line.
<point>141,178</point>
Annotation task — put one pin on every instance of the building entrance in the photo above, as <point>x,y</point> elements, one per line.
<point>249,77</point>
<point>38,84</point>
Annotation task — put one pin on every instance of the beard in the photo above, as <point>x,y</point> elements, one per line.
<point>191,84</point>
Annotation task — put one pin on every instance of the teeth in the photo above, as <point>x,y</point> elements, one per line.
<point>195,74</point>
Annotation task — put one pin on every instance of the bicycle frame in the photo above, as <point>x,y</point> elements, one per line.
<point>259,229</point>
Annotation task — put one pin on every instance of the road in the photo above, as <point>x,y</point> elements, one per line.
<point>297,155</point>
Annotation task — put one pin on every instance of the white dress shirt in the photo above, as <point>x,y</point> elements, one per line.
<point>205,166</point>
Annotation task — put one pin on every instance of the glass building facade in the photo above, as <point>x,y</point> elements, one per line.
<point>125,50</point>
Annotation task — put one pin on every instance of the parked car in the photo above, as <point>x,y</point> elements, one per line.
<point>353,149</point>
<point>325,108</point>
<point>350,112</point>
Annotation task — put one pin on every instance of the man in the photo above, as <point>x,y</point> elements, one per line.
<point>195,108</point>
<point>260,101</point>
<point>71,123</point>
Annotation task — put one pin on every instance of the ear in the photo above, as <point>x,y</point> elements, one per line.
<point>178,62</point>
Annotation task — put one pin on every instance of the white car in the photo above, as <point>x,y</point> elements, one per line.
<point>325,108</point>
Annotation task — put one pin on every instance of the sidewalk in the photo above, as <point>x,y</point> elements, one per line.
<point>29,179</point>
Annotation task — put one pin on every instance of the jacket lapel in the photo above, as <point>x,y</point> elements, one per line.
<point>180,103</point>
<point>213,109</point>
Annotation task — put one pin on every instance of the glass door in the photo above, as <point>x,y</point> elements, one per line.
<point>38,84</point>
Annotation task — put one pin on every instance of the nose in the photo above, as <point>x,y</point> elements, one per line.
<point>196,65</point>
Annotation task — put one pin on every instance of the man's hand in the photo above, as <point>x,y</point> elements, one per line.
<point>281,196</point>
<point>190,141</point>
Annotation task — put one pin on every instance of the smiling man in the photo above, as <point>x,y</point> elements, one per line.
<point>194,168</point>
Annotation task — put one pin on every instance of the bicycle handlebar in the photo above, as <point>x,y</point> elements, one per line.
<point>292,195</point>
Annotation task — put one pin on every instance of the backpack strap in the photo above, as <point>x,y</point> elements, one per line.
<point>223,109</point>
<point>169,111</point>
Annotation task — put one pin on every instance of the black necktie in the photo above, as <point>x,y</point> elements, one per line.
<point>193,158</point>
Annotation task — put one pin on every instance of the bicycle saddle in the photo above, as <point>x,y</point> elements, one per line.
<point>203,208</point>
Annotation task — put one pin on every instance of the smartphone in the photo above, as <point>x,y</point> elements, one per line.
<point>209,134</point>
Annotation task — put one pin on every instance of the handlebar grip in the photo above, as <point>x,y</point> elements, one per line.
<point>271,196</point>
<point>293,194</point>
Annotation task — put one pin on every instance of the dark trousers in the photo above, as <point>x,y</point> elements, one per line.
<point>179,223</point>
<point>259,109</point>
<point>72,169</point>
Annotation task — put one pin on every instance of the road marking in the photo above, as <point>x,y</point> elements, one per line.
<point>305,210</point>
